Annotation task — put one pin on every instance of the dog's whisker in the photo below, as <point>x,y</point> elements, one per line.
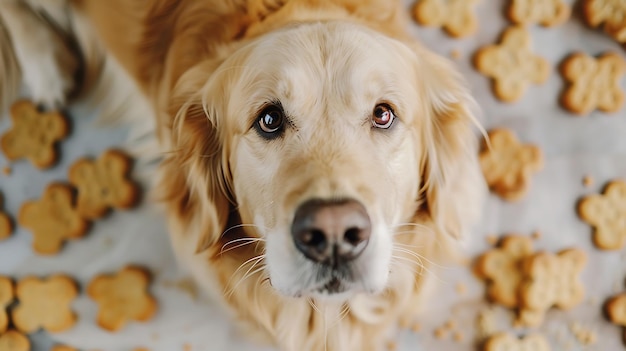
<point>248,274</point>
<point>421,257</point>
<point>246,241</point>
<point>251,260</point>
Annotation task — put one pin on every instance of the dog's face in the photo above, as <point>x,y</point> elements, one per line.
<point>325,134</point>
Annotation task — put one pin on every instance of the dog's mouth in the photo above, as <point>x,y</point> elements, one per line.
<point>333,286</point>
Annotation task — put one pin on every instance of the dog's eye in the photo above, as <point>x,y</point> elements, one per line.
<point>271,121</point>
<point>383,116</point>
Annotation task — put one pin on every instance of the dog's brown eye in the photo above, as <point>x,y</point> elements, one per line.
<point>383,116</point>
<point>271,121</point>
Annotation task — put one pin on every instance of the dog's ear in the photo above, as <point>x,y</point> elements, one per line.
<point>452,184</point>
<point>194,176</point>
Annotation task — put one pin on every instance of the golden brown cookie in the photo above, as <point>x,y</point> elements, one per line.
<point>607,214</point>
<point>508,165</point>
<point>610,14</point>
<point>553,280</point>
<point>615,309</point>
<point>6,298</point>
<point>103,184</point>
<point>548,13</point>
<point>14,341</point>
<point>52,219</point>
<point>45,303</point>
<point>511,65</point>
<point>62,348</point>
<point>6,226</point>
<point>122,297</point>
<point>34,135</point>
<point>593,83</point>
<point>508,342</point>
<point>455,16</point>
<point>501,268</point>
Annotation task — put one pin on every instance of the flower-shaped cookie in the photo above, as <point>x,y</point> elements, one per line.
<point>508,342</point>
<point>455,16</point>
<point>6,227</point>
<point>611,13</point>
<point>553,280</point>
<point>593,83</point>
<point>45,303</point>
<point>103,184</point>
<point>607,213</point>
<point>34,135</point>
<point>511,65</point>
<point>6,298</point>
<point>615,309</point>
<point>509,165</point>
<point>52,219</point>
<point>501,268</point>
<point>14,341</point>
<point>548,13</point>
<point>122,297</point>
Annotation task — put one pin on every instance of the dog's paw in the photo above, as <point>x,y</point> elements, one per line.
<point>50,74</point>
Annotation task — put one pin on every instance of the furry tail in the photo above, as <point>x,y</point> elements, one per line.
<point>10,75</point>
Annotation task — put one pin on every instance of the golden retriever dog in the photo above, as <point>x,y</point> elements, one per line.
<point>316,158</point>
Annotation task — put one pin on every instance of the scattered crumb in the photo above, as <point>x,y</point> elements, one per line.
<point>449,325</point>
<point>455,54</point>
<point>587,181</point>
<point>536,235</point>
<point>392,345</point>
<point>7,170</point>
<point>186,347</point>
<point>441,333</point>
<point>141,349</point>
<point>404,323</point>
<point>584,336</point>
<point>485,323</point>
<point>416,327</point>
<point>457,336</point>
<point>461,289</point>
<point>492,240</point>
<point>465,261</point>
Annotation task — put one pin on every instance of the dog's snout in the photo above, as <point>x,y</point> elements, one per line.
<point>331,232</point>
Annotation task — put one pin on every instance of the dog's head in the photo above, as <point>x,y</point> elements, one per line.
<point>327,138</point>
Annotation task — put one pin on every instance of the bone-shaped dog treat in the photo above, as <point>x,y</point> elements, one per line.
<point>509,165</point>
<point>553,280</point>
<point>103,183</point>
<point>34,135</point>
<point>548,13</point>
<point>455,16</point>
<point>45,303</point>
<point>593,83</point>
<point>607,213</point>
<point>122,297</point>
<point>501,268</point>
<point>511,64</point>
<point>6,297</point>
<point>6,227</point>
<point>14,341</point>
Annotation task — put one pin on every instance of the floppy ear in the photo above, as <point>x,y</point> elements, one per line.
<point>453,185</point>
<point>193,179</point>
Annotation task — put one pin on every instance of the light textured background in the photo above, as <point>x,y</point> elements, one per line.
<point>574,146</point>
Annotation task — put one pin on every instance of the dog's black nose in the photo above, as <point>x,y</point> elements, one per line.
<point>331,232</point>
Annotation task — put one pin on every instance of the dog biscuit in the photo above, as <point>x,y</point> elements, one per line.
<point>455,16</point>
<point>548,13</point>
<point>122,297</point>
<point>6,227</point>
<point>34,135</point>
<point>45,303</point>
<point>62,348</point>
<point>103,183</point>
<point>14,341</point>
<point>607,214</point>
<point>508,342</point>
<point>610,14</point>
<point>553,280</point>
<point>593,83</point>
<point>52,219</point>
<point>511,65</point>
<point>501,268</point>
<point>6,298</point>
<point>509,165</point>
<point>615,309</point>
